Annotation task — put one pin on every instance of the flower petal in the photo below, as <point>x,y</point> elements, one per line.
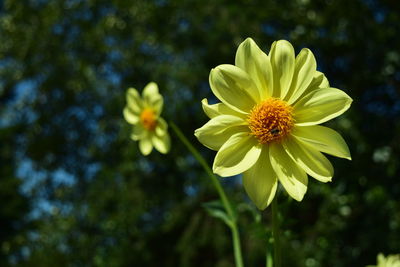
<point>161,143</point>
<point>152,97</point>
<point>320,106</point>
<point>218,109</point>
<point>130,116</point>
<point>260,181</point>
<point>219,129</point>
<point>251,59</point>
<point>283,62</point>
<point>134,102</point>
<point>304,72</point>
<point>319,81</point>
<point>323,139</point>
<point>324,82</point>
<point>161,127</point>
<point>138,132</point>
<point>310,160</point>
<point>215,141</point>
<point>237,155</point>
<point>145,145</point>
<point>233,87</point>
<point>293,178</point>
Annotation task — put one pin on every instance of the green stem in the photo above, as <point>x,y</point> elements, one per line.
<point>268,256</point>
<point>236,245</point>
<point>235,233</point>
<point>276,233</point>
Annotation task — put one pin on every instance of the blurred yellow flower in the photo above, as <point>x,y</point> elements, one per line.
<point>389,261</point>
<point>144,114</point>
<point>266,126</point>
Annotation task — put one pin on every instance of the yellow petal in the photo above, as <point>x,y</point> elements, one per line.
<point>319,81</point>
<point>152,97</point>
<point>133,100</point>
<point>283,62</point>
<point>260,181</point>
<point>161,143</point>
<point>161,127</point>
<point>138,132</point>
<point>309,159</point>
<point>304,72</point>
<point>323,139</point>
<point>215,141</point>
<point>219,129</point>
<point>324,82</point>
<point>130,116</point>
<point>293,178</point>
<point>320,106</point>
<point>251,59</point>
<point>145,145</point>
<point>237,155</point>
<point>233,87</point>
<point>219,109</point>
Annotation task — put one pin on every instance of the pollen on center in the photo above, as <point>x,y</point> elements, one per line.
<point>270,120</point>
<point>148,119</point>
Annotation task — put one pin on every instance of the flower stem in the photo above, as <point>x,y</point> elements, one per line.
<point>276,233</point>
<point>227,205</point>
<point>268,256</point>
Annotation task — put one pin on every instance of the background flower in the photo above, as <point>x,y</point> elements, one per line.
<point>267,124</point>
<point>389,261</point>
<point>144,114</point>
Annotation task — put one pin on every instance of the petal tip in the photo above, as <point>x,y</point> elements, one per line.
<point>221,171</point>
<point>152,84</point>
<point>299,198</point>
<point>284,42</point>
<point>216,170</point>
<point>263,206</point>
<point>146,152</point>
<point>196,133</point>
<point>260,208</point>
<point>131,89</point>
<point>248,40</point>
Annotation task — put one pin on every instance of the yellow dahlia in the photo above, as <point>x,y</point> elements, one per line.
<point>144,114</point>
<point>266,125</point>
<point>389,261</point>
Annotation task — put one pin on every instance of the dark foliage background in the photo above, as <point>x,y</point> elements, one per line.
<point>75,189</point>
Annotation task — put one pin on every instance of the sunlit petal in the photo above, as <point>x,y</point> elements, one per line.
<point>310,160</point>
<point>234,88</point>
<point>237,155</point>
<point>291,176</point>
<point>251,59</point>
<point>283,63</point>
<point>323,139</point>
<point>260,181</point>
<point>321,105</point>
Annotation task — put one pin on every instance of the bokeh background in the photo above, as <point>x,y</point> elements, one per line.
<point>75,190</point>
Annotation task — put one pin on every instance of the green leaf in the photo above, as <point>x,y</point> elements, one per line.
<point>256,214</point>
<point>217,210</point>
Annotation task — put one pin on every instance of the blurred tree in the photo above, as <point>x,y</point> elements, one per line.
<point>65,66</point>
<point>14,225</point>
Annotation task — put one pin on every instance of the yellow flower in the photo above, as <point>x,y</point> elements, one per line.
<point>266,126</point>
<point>144,113</point>
<point>389,261</point>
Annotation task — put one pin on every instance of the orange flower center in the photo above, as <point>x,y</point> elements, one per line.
<point>148,119</point>
<point>270,120</point>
